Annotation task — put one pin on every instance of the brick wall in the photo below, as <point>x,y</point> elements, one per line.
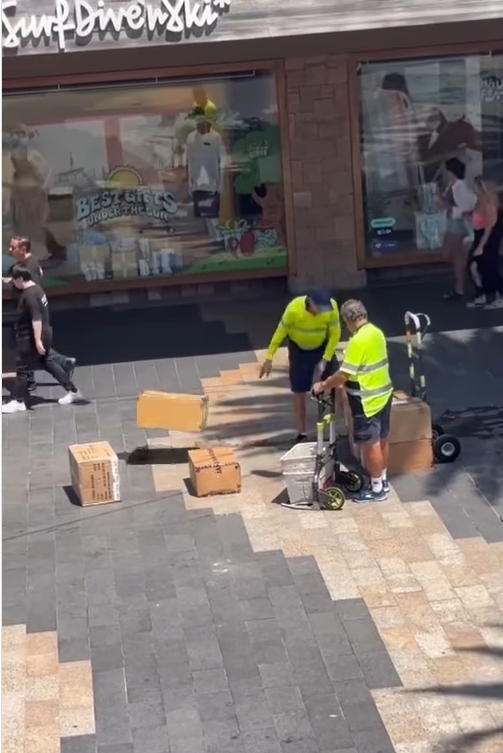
<point>318,115</point>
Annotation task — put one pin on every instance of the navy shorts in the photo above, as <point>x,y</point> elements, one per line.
<point>374,429</point>
<point>303,364</point>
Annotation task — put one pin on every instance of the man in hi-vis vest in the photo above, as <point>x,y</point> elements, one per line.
<point>311,324</point>
<point>365,375</point>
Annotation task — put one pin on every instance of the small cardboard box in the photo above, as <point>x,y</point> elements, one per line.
<point>160,410</point>
<point>98,253</point>
<point>214,471</point>
<point>124,264</point>
<point>94,470</point>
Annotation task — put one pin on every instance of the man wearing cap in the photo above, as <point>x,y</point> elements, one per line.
<point>365,375</point>
<point>311,324</point>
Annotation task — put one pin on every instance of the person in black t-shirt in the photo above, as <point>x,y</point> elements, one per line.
<point>20,248</point>
<point>33,342</point>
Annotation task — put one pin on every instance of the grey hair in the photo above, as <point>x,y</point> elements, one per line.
<point>353,310</point>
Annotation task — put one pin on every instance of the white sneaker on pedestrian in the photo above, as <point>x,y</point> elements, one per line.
<point>496,304</point>
<point>477,302</point>
<point>70,398</point>
<point>14,406</point>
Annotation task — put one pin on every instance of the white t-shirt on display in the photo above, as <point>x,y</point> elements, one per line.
<point>464,199</point>
<point>205,161</point>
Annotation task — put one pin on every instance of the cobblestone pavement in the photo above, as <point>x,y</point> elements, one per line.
<point>170,624</point>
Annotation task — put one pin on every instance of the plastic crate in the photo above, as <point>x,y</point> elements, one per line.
<point>299,465</point>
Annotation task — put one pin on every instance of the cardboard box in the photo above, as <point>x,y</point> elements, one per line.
<point>410,419</point>
<point>98,253</point>
<point>124,264</point>
<point>410,438</point>
<point>160,410</point>
<point>214,471</point>
<point>94,470</point>
<point>410,457</point>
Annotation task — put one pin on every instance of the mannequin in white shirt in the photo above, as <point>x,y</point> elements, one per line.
<point>205,167</point>
<point>461,202</point>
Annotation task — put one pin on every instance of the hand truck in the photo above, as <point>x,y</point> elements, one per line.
<point>446,448</point>
<point>331,484</point>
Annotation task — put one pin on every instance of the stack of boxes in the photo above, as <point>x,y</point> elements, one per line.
<point>411,449</point>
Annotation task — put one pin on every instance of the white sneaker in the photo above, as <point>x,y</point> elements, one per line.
<point>496,304</point>
<point>70,398</point>
<point>13,407</point>
<point>477,302</point>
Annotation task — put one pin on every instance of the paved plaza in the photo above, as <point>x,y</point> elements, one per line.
<point>172,624</point>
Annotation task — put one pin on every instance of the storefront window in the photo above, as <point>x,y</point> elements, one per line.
<point>416,114</point>
<point>128,182</point>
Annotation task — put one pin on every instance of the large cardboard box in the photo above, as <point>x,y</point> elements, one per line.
<point>160,410</point>
<point>214,471</point>
<point>410,419</point>
<point>94,470</point>
<point>410,436</point>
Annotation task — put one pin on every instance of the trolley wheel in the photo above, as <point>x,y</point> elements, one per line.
<point>437,431</point>
<point>352,482</point>
<point>332,498</point>
<point>446,448</point>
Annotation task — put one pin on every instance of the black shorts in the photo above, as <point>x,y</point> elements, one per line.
<point>206,204</point>
<point>374,429</point>
<point>302,364</point>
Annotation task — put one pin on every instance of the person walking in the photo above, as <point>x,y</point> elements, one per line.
<point>311,324</point>
<point>461,202</point>
<point>364,374</point>
<point>33,343</point>
<point>484,256</point>
<point>20,249</point>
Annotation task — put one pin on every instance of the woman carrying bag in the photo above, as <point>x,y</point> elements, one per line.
<point>483,257</point>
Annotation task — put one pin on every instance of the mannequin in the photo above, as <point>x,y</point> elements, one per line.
<point>28,191</point>
<point>205,168</point>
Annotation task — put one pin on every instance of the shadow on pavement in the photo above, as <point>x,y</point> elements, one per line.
<point>491,691</point>
<point>459,368</point>
<point>106,335</point>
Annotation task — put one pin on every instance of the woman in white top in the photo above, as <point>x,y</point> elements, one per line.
<point>461,202</point>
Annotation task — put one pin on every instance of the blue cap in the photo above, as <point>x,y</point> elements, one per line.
<point>321,299</point>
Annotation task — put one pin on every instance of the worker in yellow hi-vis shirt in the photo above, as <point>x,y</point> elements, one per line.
<point>311,324</point>
<point>365,375</point>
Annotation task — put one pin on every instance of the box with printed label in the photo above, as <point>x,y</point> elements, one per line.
<point>214,471</point>
<point>94,470</point>
<point>160,410</point>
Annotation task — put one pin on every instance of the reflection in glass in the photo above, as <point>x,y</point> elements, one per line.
<point>416,115</point>
<point>121,183</point>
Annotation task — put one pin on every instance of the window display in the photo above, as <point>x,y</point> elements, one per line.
<point>414,116</point>
<point>127,182</point>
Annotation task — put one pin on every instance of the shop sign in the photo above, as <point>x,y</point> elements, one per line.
<point>110,204</point>
<point>79,20</point>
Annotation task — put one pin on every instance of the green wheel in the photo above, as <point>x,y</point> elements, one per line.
<point>332,498</point>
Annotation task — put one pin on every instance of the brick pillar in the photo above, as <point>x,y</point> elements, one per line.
<point>320,148</point>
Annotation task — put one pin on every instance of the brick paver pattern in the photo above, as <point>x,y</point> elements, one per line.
<point>171,624</point>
